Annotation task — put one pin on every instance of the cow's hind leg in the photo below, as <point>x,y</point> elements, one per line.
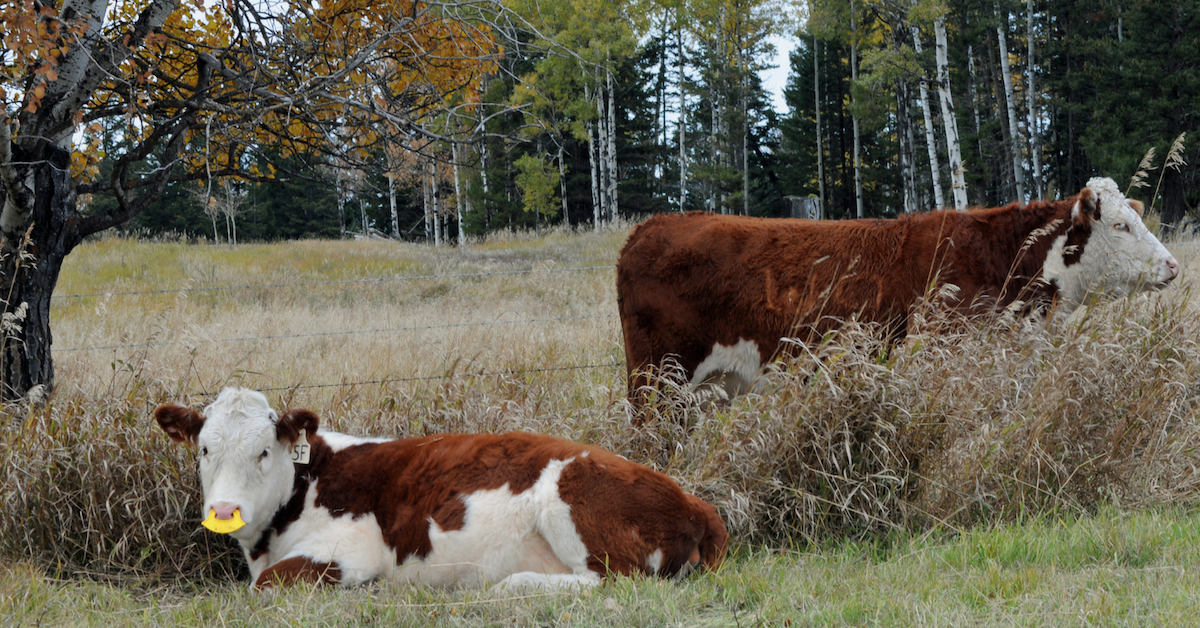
<point>533,581</point>
<point>298,569</point>
<point>734,369</point>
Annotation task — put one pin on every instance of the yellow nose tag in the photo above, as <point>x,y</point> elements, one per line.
<point>223,526</point>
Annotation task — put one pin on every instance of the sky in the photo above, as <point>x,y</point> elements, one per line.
<point>775,79</point>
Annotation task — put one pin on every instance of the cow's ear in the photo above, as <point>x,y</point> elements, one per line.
<point>1087,208</point>
<point>289,425</point>
<point>1137,207</point>
<point>180,423</point>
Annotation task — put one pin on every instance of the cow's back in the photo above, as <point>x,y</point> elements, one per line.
<point>691,286</point>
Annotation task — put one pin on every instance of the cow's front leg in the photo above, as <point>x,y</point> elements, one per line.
<point>298,569</point>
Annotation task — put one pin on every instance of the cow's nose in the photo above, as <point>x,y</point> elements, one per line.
<point>223,510</point>
<point>1173,267</point>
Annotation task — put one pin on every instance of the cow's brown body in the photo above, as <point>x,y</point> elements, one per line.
<point>688,285</point>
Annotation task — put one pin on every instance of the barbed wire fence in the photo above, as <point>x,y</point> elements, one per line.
<point>193,342</point>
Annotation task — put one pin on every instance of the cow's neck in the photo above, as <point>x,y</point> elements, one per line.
<point>289,511</point>
<point>1031,231</point>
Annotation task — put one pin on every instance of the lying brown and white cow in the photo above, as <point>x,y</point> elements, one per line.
<point>449,510</point>
<point>718,292</point>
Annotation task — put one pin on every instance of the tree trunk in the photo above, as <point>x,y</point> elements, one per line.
<point>458,195</point>
<point>435,202</point>
<point>904,131</point>
<point>595,172</point>
<point>1014,146</point>
<point>683,169</point>
<point>425,185</point>
<point>973,94</point>
<point>858,196</point>
<point>392,200</point>
<point>562,183</point>
<point>957,178</point>
<point>26,367</point>
<point>1035,149</point>
<point>1174,206</point>
<point>935,173</point>
<point>820,153</point>
<point>612,149</point>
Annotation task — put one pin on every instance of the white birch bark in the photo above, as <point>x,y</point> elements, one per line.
<point>858,199</point>
<point>435,203</point>
<point>427,205</point>
<point>1010,103</point>
<point>595,172</point>
<point>935,172</point>
<point>974,95</point>
<point>958,181</point>
<point>391,177</point>
<point>820,152</point>
<point>683,168</point>
<point>602,154</point>
<point>562,183</point>
<point>1035,149</point>
<point>458,196</point>
<point>612,148</point>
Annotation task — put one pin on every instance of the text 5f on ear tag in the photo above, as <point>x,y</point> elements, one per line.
<point>300,450</point>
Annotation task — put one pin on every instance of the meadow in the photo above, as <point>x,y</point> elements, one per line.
<point>1003,471</point>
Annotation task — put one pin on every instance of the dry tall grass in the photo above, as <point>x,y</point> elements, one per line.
<point>966,422</point>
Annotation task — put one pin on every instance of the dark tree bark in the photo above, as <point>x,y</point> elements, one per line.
<point>1174,206</point>
<point>30,267</point>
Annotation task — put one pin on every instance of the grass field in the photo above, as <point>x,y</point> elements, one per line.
<point>1007,473</point>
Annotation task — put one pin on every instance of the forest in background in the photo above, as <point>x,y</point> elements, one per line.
<point>1088,89</point>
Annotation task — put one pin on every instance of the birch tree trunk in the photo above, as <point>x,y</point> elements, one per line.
<point>973,93</point>
<point>562,183</point>
<point>426,184</point>
<point>957,179</point>
<point>1035,149</point>
<point>435,202</point>
<point>392,201</point>
<point>612,148</point>
<point>602,154</point>
<point>858,199</point>
<point>595,172</point>
<point>935,173</point>
<point>1010,103</point>
<point>904,132</point>
<point>683,169</point>
<point>458,196</point>
<point>817,100</point>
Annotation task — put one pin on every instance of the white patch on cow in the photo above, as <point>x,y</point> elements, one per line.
<point>354,544</point>
<point>528,581</point>
<point>504,535</point>
<point>1120,257</point>
<point>338,441</point>
<point>654,561</point>
<point>734,368</point>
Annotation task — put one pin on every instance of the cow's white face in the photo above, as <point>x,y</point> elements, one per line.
<point>1120,255</point>
<point>244,453</point>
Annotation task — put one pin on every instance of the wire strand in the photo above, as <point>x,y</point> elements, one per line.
<point>389,380</point>
<point>332,282</point>
<point>318,334</point>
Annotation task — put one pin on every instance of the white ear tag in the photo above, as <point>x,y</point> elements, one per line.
<point>300,450</point>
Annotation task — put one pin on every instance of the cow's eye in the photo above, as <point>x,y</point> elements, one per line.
<point>204,451</point>
<point>264,454</point>
<point>1120,226</point>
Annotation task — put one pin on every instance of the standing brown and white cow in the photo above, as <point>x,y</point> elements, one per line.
<point>718,293</point>
<point>449,510</point>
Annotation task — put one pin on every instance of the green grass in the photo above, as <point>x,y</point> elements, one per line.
<point>1113,569</point>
